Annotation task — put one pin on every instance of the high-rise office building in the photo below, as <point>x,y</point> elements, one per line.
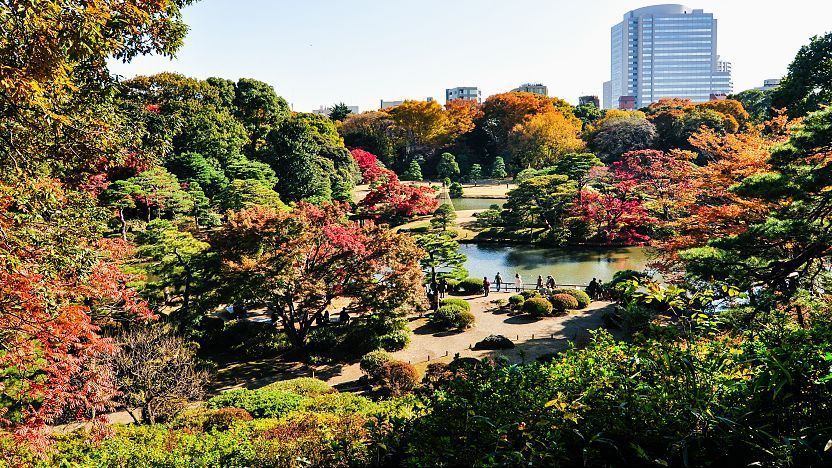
<point>665,51</point>
<point>468,93</point>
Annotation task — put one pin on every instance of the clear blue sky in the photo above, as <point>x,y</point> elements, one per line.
<point>318,52</point>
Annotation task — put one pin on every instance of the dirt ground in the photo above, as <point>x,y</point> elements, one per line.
<point>532,338</point>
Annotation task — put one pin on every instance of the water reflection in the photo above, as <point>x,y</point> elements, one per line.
<point>571,266</point>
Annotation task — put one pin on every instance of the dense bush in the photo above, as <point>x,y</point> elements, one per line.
<point>372,363</point>
<point>470,286</point>
<point>563,302</point>
<point>223,418</point>
<point>583,298</point>
<point>655,403</point>
<point>530,294</point>
<point>516,301</point>
<point>306,386</point>
<point>395,340</point>
<point>260,403</point>
<point>537,307</point>
<point>451,316</point>
<point>455,190</point>
<point>399,377</point>
<point>456,301</point>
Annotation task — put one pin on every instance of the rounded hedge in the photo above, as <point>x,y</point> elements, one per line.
<point>537,307</point>
<point>306,386</point>
<point>452,316</point>
<point>530,294</point>
<point>470,285</point>
<point>583,298</point>
<point>372,363</point>
<point>516,300</point>
<point>396,340</point>
<point>456,301</point>
<point>399,377</point>
<point>563,302</point>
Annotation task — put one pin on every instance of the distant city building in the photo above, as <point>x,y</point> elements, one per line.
<point>718,97</point>
<point>607,95</point>
<point>326,110</point>
<point>627,102</point>
<point>390,104</point>
<point>665,51</point>
<point>535,88</point>
<point>589,100</point>
<point>467,93</point>
<point>769,84</point>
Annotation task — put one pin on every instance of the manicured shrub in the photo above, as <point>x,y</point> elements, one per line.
<point>455,190</point>
<point>453,284</point>
<point>583,298</point>
<point>306,386</point>
<point>538,307</point>
<point>223,418</point>
<point>399,377</point>
<point>563,302</point>
<point>338,403</point>
<point>516,301</point>
<point>372,363</point>
<point>452,316</point>
<point>395,340</point>
<point>456,301</point>
<point>529,294</point>
<point>260,403</point>
<point>470,285</point>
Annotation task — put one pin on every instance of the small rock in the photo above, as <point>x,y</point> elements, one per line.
<point>494,342</point>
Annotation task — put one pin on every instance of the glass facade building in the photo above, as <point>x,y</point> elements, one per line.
<point>665,51</point>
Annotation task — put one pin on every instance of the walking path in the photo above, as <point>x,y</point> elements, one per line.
<point>532,337</point>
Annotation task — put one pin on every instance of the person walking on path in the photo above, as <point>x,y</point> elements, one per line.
<point>550,282</point>
<point>498,281</point>
<point>486,286</point>
<point>443,287</point>
<point>539,284</point>
<point>518,282</point>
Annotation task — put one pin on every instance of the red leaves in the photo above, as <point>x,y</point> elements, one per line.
<point>371,169</point>
<point>391,198</point>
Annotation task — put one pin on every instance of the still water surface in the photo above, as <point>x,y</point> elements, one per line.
<point>568,266</point>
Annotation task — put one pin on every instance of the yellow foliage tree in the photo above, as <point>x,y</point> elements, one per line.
<point>545,138</point>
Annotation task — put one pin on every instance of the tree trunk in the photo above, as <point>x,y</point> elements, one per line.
<point>123,223</point>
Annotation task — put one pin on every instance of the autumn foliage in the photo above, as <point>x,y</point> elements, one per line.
<point>389,199</point>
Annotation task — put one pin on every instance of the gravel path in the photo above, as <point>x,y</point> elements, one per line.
<point>532,338</point>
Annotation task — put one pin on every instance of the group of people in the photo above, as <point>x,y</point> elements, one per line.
<point>518,283</point>
<point>436,290</point>
<point>596,291</point>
